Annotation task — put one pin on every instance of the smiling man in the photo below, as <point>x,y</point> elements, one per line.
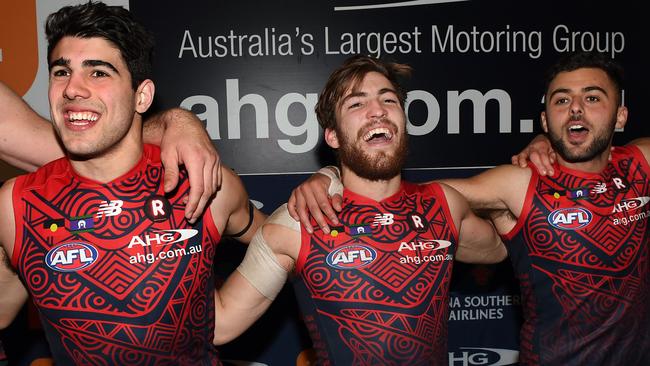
<point>374,291</point>
<point>578,237</point>
<point>119,276</point>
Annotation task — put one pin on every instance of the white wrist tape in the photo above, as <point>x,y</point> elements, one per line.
<point>336,186</point>
<point>262,269</point>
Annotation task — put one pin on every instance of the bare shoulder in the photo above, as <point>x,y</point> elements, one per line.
<point>503,181</point>
<point>643,144</point>
<point>490,179</point>
<point>230,205</point>
<point>454,197</point>
<point>456,202</point>
<point>6,193</point>
<point>7,222</point>
<point>231,194</point>
<point>497,188</point>
<point>507,172</point>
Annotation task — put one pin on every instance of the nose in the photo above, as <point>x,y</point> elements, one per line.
<point>377,110</point>
<point>76,88</point>
<point>576,106</point>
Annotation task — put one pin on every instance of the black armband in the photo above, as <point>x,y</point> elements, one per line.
<point>251,211</point>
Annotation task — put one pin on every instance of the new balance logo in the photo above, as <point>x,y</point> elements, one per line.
<point>110,208</point>
<point>383,219</point>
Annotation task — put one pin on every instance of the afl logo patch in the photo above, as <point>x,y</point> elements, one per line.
<point>351,257</point>
<point>571,218</point>
<point>71,257</point>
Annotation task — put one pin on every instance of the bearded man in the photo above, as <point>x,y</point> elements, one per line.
<point>575,222</point>
<point>374,289</point>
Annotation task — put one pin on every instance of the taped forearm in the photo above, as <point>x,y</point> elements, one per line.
<point>333,173</point>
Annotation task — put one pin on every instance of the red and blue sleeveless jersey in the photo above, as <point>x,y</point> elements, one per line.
<point>118,275</point>
<point>580,251</point>
<point>375,290</point>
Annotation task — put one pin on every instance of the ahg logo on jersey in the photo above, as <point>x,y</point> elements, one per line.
<point>71,257</point>
<point>631,204</point>
<point>351,257</point>
<point>163,237</point>
<point>424,246</point>
<point>471,356</point>
<point>570,218</point>
<point>419,252</point>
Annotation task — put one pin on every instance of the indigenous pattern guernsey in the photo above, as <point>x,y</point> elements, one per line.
<point>117,273</point>
<point>580,250</point>
<point>375,290</point>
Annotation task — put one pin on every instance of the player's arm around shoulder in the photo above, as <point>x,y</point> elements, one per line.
<point>21,129</point>
<point>12,292</point>
<point>233,213</point>
<point>249,291</point>
<point>502,188</point>
<point>478,241</point>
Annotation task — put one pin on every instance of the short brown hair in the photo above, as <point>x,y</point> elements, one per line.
<point>350,74</point>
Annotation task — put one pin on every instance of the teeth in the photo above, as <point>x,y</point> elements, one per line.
<point>377,131</point>
<point>85,116</point>
<point>575,127</point>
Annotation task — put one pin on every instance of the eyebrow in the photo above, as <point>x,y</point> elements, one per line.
<point>364,94</point>
<point>86,63</point>
<point>585,89</point>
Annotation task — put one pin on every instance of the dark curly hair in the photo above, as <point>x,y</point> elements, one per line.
<point>112,23</point>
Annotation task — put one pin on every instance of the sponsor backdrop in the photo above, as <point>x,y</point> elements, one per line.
<point>252,71</point>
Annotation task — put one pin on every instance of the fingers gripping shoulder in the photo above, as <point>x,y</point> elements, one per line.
<point>333,173</point>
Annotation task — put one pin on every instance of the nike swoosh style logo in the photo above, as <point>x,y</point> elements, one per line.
<point>443,244</point>
<point>185,234</point>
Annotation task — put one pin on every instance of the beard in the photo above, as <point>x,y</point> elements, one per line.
<point>599,145</point>
<point>380,166</point>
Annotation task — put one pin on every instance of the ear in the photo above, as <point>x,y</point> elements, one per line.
<point>542,118</point>
<point>144,96</point>
<point>621,117</point>
<point>331,138</point>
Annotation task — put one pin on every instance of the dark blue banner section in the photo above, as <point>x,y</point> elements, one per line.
<point>252,70</point>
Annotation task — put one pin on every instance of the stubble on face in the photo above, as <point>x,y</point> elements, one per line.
<point>581,114</point>
<point>574,154</point>
<point>374,167</point>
